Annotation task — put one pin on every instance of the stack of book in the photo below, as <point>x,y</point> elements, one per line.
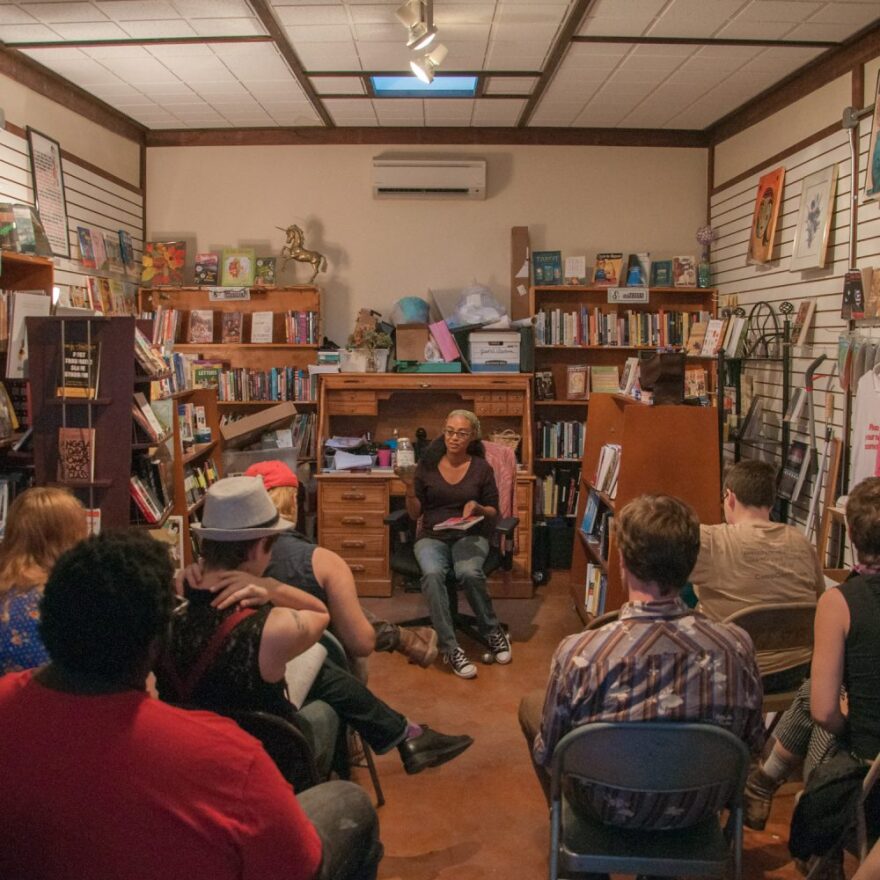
<point>557,492</point>
<point>301,328</point>
<point>596,583</point>
<point>561,440</point>
<point>277,383</point>
<point>197,479</point>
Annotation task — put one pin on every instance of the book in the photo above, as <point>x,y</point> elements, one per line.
<point>162,263</point>
<point>795,470</point>
<point>93,521</point>
<point>207,268</point>
<point>22,304</point>
<point>264,272</point>
<point>661,273</point>
<point>237,267</point>
<point>76,454</point>
<point>696,337</point>
<point>24,229</point>
<point>86,251</point>
<point>577,385</point>
<point>547,267</point>
<point>629,375</point>
<point>545,388</point>
<point>146,416</point>
<point>98,247</point>
<point>8,238</point>
<point>8,419</point>
<point>261,326</point>
<point>80,370</point>
<point>608,269</point>
<point>752,426</point>
<point>696,381</point>
<point>853,305</point>
<point>126,250</point>
<point>591,513</point>
<point>458,523</point>
<point>147,355</point>
<point>734,342</point>
<point>684,272</point>
<point>714,337</point>
<point>575,270</point>
<point>201,326</point>
<point>635,273</point>
<point>802,321</point>
<point>114,253</point>
<point>604,379</point>
<point>230,327</point>
<point>147,505</point>
<point>795,406</point>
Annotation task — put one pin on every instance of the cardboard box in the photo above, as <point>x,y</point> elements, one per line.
<point>494,351</point>
<point>410,341</point>
<point>237,435</point>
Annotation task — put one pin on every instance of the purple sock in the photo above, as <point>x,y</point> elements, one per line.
<point>413,730</point>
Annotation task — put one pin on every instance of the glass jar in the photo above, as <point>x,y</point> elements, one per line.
<point>406,456</point>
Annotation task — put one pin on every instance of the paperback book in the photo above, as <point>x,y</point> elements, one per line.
<point>795,470</point>
<point>458,523</point>
<point>86,251</point>
<point>261,327</point>
<point>684,272</point>
<point>604,379</point>
<point>577,382</point>
<point>547,266</point>
<point>608,269</point>
<point>544,385</point>
<point>80,370</point>
<point>264,272</point>
<point>207,268</point>
<point>126,250</point>
<point>230,327</point>
<point>661,273</point>
<point>201,326</point>
<point>76,454</point>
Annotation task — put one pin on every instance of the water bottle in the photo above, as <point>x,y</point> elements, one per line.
<point>406,456</point>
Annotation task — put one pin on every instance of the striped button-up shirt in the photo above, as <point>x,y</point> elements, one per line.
<point>660,661</point>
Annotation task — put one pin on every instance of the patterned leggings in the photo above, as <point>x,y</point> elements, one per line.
<point>798,733</point>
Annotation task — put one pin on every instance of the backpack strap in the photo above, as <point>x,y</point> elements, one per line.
<point>186,686</point>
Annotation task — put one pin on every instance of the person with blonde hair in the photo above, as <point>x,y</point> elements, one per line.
<point>42,524</point>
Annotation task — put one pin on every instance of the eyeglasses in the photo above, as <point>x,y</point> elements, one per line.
<point>181,603</point>
<point>461,434</point>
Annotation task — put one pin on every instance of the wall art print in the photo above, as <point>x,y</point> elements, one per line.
<point>814,220</point>
<point>767,202</point>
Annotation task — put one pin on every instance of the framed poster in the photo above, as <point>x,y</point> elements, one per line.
<point>872,172</point>
<point>814,220</point>
<point>48,180</point>
<point>767,202</point>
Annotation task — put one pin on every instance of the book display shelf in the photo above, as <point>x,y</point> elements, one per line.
<point>667,450</point>
<point>578,329</point>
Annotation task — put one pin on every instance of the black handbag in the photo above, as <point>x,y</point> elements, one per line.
<point>826,810</point>
<point>662,373</point>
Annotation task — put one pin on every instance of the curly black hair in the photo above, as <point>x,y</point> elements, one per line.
<point>437,449</point>
<point>105,602</point>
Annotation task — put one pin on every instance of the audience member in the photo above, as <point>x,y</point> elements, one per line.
<point>660,661</point>
<point>454,479</point>
<point>749,560</point>
<point>262,625</point>
<point>326,575</point>
<point>102,781</point>
<point>846,656</point>
<point>41,524</point>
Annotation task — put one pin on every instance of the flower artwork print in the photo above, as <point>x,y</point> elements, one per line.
<point>814,220</point>
<point>163,262</point>
<point>765,216</point>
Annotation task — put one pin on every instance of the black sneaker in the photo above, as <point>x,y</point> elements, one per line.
<point>431,749</point>
<point>499,645</point>
<point>460,664</point>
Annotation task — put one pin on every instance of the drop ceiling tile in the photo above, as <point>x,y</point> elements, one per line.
<point>660,51</point>
<point>625,91</point>
<point>349,106</point>
<point>329,56</point>
<point>25,33</point>
<point>510,85</point>
<point>213,8</point>
<point>180,50</point>
<point>273,88</point>
<point>312,15</point>
<point>791,11</point>
<point>465,33</point>
<point>93,30</point>
<point>338,85</point>
<point>693,18</point>
<point>448,14</point>
<point>381,33</point>
<point>856,14</point>
<point>135,101</point>
<point>52,13</point>
<point>536,36</point>
<point>398,106</point>
<point>212,93</point>
<point>104,53</point>
<point>696,118</point>
<point>503,111</point>
<point>679,93</point>
<point>159,29</point>
<point>616,26</point>
<point>227,27</point>
<point>54,55</point>
<point>781,61</point>
<point>169,125</point>
<point>600,117</point>
<point>627,7</point>
<point>327,33</point>
<point>821,31</point>
<point>15,15</point>
<point>753,30</point>
<point>626,73</point>
<point>463,56</point>
<point>376,13</point>
<point>548,15</point>
<point>176,100</point>
<point>389,56</point>
<point>113,91</point>
<point>596,54</point>
<point>647,116</point>
<point>137,10</point>
<point>254,69</point>
<point>208,68</point>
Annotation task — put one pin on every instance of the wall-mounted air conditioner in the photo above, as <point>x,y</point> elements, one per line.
<point>414,178</point>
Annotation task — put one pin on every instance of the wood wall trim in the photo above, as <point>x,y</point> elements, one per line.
<point>45,82</point>
<point>825,69</point>
<point>713,41</point>
<point>563,40</point>
<point>778,157</point>
<point>316,136</point>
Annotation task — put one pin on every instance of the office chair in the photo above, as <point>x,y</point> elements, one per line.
<point>403,561</point>
<point>778,626</point>
<point>703,760</point>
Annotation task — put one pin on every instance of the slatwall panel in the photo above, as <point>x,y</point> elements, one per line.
<point>92,200</point>
<point>731,215</point>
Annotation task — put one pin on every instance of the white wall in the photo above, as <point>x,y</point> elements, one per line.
<point>580,200</point>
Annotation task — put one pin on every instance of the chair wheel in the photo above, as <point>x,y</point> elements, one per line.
<point>539,577</point>
<point>488,658</point>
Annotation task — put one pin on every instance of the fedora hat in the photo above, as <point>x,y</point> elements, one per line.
<point>239,509</point>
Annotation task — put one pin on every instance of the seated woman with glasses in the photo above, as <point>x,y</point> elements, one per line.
<point>453,479</point>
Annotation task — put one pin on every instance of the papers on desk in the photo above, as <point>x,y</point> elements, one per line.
<point>346,461</point>
<point>345,442</point>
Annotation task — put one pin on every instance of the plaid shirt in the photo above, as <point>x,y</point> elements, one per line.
<point>660,661</point>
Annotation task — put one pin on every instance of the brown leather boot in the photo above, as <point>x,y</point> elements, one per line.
<point>758,798</point>
<point>418,644</point>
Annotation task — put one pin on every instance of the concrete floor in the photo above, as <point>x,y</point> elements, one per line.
<point>483,815</point>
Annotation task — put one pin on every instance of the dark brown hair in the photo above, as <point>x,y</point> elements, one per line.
<point>659,539</point>
<point>228,555</point>
<point>863,520</point>
<point>753,483</point>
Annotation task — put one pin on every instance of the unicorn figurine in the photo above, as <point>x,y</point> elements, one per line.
<point>293,250</point>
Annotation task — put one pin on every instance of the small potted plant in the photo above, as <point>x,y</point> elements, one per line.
<point>375,345</point>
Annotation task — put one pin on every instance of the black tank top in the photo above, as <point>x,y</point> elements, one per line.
<point>861,672</point>
<point>292,563</point>
<point>233,681</point>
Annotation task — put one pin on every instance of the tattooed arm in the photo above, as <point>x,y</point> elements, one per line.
<point>287,633</point>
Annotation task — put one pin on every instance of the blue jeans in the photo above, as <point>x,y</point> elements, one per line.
<point>465,557</point>
<point>348,827</point>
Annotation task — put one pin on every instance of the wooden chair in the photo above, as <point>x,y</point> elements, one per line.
<point>403,560</point>
<point>778,626</point>
<point>600,620</point>
<point>652,757</point>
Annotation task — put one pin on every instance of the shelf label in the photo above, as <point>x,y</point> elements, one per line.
<point>224,294</point>
<point>628,294</point>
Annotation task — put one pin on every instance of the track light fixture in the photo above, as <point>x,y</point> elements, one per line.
<point>425,67</point>
<point>418,17</point>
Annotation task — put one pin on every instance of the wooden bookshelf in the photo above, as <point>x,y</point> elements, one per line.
<point>665,450</point>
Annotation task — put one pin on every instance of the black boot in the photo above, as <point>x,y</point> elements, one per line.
<point>431,749</point>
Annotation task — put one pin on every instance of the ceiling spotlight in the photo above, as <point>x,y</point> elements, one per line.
<point>411,13</point>
<point>425,67</point>
<point>418,17</point>
<point>421,35</point>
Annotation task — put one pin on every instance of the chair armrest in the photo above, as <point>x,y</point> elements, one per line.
<point>396,518</point>
<point>507,525</point>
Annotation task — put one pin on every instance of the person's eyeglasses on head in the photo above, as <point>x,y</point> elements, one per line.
<point>461,434</point>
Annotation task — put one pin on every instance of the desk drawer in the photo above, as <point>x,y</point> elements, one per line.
<point>353,495</point>
<point>350,545</point>
<point>367,568</point>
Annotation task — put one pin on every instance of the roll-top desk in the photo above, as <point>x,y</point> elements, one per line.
<point>351,506</point>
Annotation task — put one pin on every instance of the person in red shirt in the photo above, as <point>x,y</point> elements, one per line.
<point>100,780</point>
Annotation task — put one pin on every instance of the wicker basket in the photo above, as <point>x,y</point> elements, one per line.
<point>508,437</point>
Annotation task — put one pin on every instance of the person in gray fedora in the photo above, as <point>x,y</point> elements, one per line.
<point>264,624</point>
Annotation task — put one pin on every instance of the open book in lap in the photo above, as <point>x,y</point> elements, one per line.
<point>458,523</point>
<point>301,672</point>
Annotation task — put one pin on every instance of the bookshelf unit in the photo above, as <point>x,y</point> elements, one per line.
<point>667,450</point>
<point>556,358</point>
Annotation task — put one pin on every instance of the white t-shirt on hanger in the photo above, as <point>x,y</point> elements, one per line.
<point>866,428</point>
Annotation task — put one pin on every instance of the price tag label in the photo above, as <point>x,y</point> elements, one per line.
<point>225,294</point>
<point>628,294</point>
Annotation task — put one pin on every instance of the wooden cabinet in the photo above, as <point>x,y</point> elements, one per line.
<point>665,450</point>
<point>352,506</point>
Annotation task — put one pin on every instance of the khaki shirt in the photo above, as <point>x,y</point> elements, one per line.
<point>753,563</point>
